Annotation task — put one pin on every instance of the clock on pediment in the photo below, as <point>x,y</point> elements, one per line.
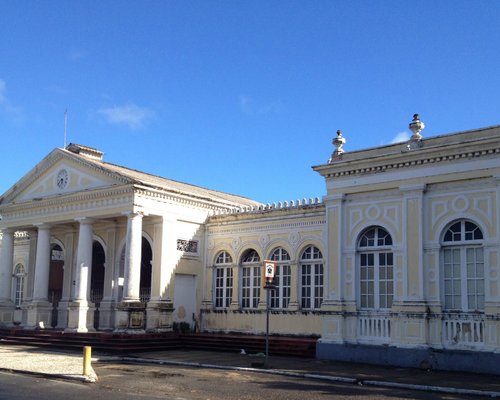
<point>62,179</point>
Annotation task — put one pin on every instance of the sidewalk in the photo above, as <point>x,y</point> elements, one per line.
<point>44,362</point>
<point>70,366</point>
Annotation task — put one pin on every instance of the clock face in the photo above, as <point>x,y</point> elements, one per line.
<point>62,179</point>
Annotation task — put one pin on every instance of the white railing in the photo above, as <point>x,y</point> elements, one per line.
<point>374,328</point>
<point>463,331</point>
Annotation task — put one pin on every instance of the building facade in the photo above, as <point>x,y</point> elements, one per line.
<point>397,264</point>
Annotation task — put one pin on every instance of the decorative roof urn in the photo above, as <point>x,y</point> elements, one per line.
<point>338,142</point>
<point>416,126</point>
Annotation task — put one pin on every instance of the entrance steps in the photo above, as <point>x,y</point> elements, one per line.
<point>111,342</point>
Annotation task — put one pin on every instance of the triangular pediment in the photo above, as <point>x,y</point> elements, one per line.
<point>61,173</point>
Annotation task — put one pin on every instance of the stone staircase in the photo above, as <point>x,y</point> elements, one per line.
<point>110,342</point>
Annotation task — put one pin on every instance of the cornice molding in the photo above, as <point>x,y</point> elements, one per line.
<point>48,162</point>
<point>74,202</point>
<point>395,161</point>
<point>184,200</point>
<point>230,230</point>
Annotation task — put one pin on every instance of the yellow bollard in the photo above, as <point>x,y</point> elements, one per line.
<point>87,357</point>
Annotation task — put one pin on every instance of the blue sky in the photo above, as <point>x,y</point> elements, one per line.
<point>240,96</point>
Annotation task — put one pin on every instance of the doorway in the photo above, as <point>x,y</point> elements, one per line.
<point>185,301</point>
<point>97,279</point>
<point>56,278</point>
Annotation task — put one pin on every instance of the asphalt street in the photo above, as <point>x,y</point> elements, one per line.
<point>118,381</point>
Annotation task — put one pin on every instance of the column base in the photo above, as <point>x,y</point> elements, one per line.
<point>410,323</point>
<point>7,313</point>
<point>78,320</point>
<point>62,314</point>
<point>107,315</point>
<point>39,314</point>
<point>129,316</point>
<point>159,316</point>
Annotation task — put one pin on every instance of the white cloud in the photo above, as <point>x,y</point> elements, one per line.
<point>400,137</point>
<point>246,105</point>
<point>130,115</point>
<point>76,55</point>
<point>249,107</point>
<point>2,91</point>
<point>5,105</point>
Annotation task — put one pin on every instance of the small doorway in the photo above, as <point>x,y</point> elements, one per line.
<point>146,268</point>
<point>56,278</point>
<point>97,279</point>
<point>185,301</point>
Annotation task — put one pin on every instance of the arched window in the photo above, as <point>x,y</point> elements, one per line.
<point>280,297</point>
<point>376,269</point>
<point>311,272</point>
<point>463,267</point>
<point>19,275</point>
<point>250,279</point>
<point>223,282</point>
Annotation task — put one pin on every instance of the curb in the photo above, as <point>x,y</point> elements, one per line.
<point>331,378</point>
<point>92,378</point>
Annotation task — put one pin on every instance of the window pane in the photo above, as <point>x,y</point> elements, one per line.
<point>371,259</point>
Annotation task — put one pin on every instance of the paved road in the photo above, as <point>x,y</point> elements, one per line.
<point>133,382</point>
<point>215,375</point>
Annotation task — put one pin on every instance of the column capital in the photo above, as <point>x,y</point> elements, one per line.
<point>8,231</point>
<point>85,220</point>
<point>133,214</point>
<point>337,197</point>
<point>43,226</point>
<point>415,188</point>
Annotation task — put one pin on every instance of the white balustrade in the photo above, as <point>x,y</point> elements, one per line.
<point>463,332</point>
<point>374,328</point>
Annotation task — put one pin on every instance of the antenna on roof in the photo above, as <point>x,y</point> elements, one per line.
<point>65,125</point>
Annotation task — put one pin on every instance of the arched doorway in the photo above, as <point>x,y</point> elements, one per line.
<point>146,272</point>
<point>146,267</point>
<point>56,278</point>
<point>97,279</point>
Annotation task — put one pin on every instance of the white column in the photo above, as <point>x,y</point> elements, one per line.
<point>133,258</point>
<point>83,259</point>
<point>6,261</point>
<point>42,264</point>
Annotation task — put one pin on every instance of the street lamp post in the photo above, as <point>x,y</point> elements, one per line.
<point>269,271</point>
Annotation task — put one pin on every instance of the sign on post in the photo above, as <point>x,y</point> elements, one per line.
<point>269,272</point>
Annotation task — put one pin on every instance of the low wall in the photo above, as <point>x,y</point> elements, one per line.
<point>439,359</point>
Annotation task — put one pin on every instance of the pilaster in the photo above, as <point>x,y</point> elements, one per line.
<point>235,301</point>
<point>333,258</point>
<point>106,308</point>
<point>293,305</point>
<point>6,267</point>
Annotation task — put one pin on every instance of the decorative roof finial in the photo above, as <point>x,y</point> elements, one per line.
<point>416,126</point>
<point>338,142</point>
